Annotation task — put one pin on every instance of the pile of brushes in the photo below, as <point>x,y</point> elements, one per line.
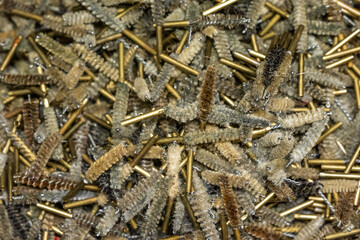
<point>179,119</point>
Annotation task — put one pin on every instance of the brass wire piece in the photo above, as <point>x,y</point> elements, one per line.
<point>276,9</point>
<point>271,23</point>
<point>189,171</point>
<point>218,7</point>
<point>239,67</point>
<point>352,160</point>
<point>339,167</point>
<point>339,175</point>
<point>301,74</point>
<point>352,10</point>
<point>121,63</point>
<point>138,41</point>
<point>11,53</point>
<point>329,131</point>
<point>356,85</point>
<point>246,59</point>
<point>26,14</point>
<point>255,53</point>
<point>178,64</point>
<point>159,40</point>
<point>144,150</point>
<point>254,46</point>
<point>343,42</point>
<point>341,54</point>
<point>55,211</point>
<point>169,206</point>
<point>357,195</point>
<point>189,211</point>
<point>297,208</point>
<point>340,62</point>
<point>339,235</point>
<point>176,24</point>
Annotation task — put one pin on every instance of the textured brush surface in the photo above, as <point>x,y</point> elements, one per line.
<point>231,207</point>
<point>24,79</point>
<point>207,94</point>
<point>105,162</point>
<point>200,203</point>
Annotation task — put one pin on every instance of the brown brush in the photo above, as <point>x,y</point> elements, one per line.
<point>46,149</point>
<point>231,207</point>
<point>344,212</point>
<point>47,182</point>
<point>30,113</point>
<point>25,79</point>
<point>207,95</point>
<point>105,162</point>
<point>283,191</point>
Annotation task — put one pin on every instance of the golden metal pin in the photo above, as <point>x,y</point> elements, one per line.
<point>142,117</point>
<point>277,10</point>
<point>339,167</point>
<point>328,132</point>
<point>342,234</point>
<point>169,207</point>
<point>182,42</point>
<point>53,210</point>
<point>246,59</point>
<point>340,62</point>
<point>140,42</point>
<point>189,211</point>
<point>271,23</point>
<point>339,175</point>
<point>352,10</point>
<point>143,151</point>
<point>189,171</point>
<point>218,7</point>
<point>80,203</point>
<point>301,74</point>
<point>109,38</point>
<point>352,160</point>
<point>178,64</point>
<point>239,67</point>
<point>255,53</point>
<point>357,195</point>
<point>97,120</point>
<point>297,208</point>
<point>326,161</point>
<point>343,42</point>
<point>121,63</point>
<point>341,54</point>
<point>268,36</point>
<point>260,204</point>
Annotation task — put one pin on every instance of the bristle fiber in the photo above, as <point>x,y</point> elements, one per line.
<point>230,203</point>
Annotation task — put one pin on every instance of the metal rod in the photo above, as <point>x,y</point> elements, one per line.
<point>297,208</point>
<point>189,171</point>
<point>343,42</point>
<point>218,7</point>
